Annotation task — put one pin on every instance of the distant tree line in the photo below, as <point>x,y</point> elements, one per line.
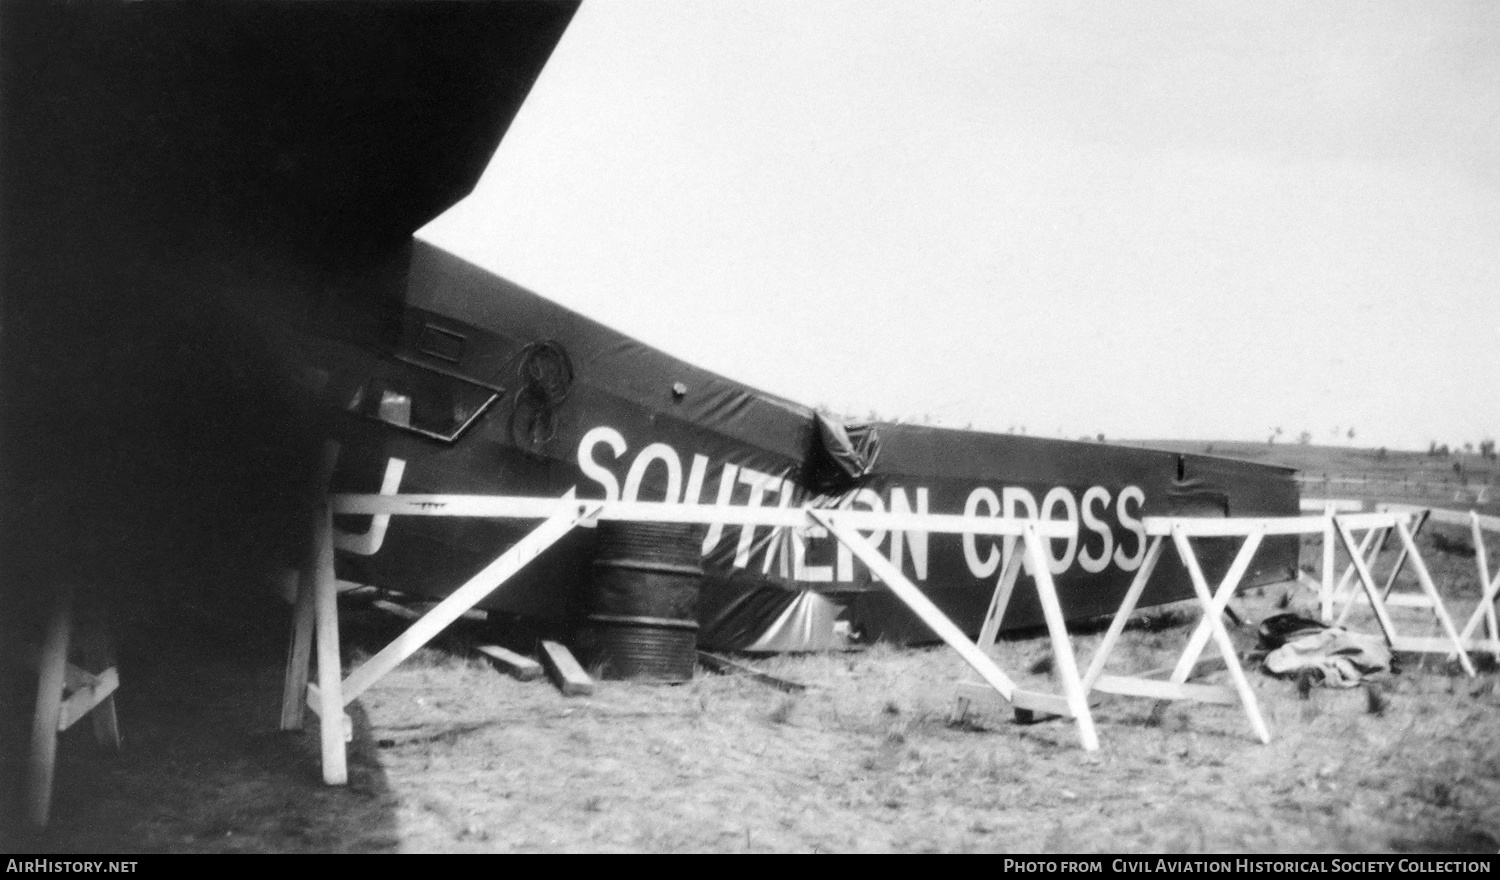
<point>1441,450</point>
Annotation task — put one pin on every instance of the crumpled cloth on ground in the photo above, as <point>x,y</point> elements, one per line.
<point>1343,658</point>
<point>1278,629</point>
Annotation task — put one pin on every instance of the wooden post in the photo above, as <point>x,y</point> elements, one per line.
<point>1326,594</point>
<point>1481,561</point>
<point>1486,608</point>
<point>49,698</point>
<point>299,645</point>
<point>330,667</point>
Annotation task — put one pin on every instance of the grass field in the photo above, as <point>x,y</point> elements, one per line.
<point>450,755</point>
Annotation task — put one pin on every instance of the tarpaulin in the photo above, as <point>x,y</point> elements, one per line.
<point>1335,656</point>
<point>623,420</point>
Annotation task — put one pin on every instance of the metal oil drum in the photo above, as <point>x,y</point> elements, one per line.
<point>640,610</point>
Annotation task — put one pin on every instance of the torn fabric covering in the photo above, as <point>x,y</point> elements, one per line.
<point>637,424</point>
<point>1341,658</point>
<point>844,453</point>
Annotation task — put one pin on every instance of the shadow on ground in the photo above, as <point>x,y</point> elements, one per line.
<point>204,768</point>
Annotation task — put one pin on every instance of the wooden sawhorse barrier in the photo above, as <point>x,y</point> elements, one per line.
<point>1483,615</point>
<point>1489,587</point>
<point>1025,703</point>
<point>1373,543</point>
<point>1173,682</point>
<point>315,614</point>
<point>1376,536</point>
<point>65,694</point>
<point>1181,531</point>
<point>1377,527</point>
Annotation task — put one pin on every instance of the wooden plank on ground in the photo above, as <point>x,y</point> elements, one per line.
<point>522,668</point>
<point>985,697</point>
<point>979,695</point>
<point>724,664</point>
<point>565,671</point>
<point>1151,688</point>
<point>969,695</point>
<point>1036,701</point>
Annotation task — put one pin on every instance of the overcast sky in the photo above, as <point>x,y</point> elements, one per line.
<point>1146,219</point>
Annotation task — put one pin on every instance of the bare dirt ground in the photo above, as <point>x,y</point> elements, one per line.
<point>450,755</point>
